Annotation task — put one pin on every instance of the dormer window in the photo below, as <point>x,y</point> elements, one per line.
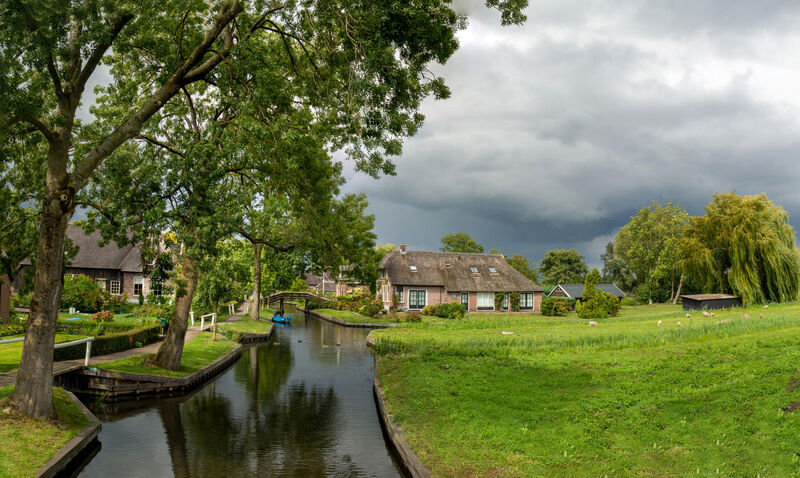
<point>492,270</point>
<point>473,269</point>
<point>413,268</point>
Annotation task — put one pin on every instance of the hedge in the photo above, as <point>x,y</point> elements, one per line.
<point>108,344</point>
<point>11,329</point>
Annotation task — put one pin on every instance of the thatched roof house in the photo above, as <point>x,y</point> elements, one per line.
<point>419,278</point>
<point>115,268</point>
<point>576,290</point>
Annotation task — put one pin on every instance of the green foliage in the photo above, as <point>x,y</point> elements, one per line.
<point>11,329</point>
<point>224,275</point>
<point>595,304</point>
<point>649,246</point>
<point>743,245</point>
<point>514,301</point>
<point>298,285</point>
<point>103,316</point>
<point>460,242</point>
<point>521,263</point>
<point>370,310</point>
<point>554,307</point>
<point>498,300</point>
<point>562,266</point>
<point>83,293</point>
<point>110,343</point>
<point>447,310</point>
<point>615,269</point>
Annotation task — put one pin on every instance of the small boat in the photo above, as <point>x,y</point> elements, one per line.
<point>281,320</point>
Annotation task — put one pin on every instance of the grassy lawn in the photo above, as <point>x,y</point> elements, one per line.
<point>29,443</point>
<point>234,330</point>
<point>196,354</point>
<point>626,398</point>
<point>11,353</point>
<point>266,312</point>
<point>356,318</point>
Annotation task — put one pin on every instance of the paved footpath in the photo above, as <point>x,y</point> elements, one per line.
<point>65,366</point>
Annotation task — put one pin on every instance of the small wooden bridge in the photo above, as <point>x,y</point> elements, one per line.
<point>280,297</point>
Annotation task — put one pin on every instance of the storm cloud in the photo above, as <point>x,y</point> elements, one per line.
<point>559,130</point>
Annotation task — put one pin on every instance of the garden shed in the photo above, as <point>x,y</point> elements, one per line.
<point>710,301</point>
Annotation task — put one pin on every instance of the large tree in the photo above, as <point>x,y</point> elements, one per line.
<point>460,242</point>
<point>562,266</point>
<point>615,269</point>
<point>649,246</point>
<point>372,58</point>
<point>743,245</point>
<point>523,265</point>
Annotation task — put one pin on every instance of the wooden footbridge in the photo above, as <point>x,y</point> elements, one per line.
<point>280,297</point>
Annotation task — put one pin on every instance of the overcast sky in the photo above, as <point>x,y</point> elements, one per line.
<point>559,130</point>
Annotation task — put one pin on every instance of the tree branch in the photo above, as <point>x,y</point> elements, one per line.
<point>168,147</point>
<point>118,22</point>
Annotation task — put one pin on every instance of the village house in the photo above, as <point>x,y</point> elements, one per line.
<point>576,291</point>
<point>320,284</point>
<point>419,278</point>
<point>115,269</point>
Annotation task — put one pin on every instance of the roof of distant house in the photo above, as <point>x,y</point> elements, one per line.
<point>456,271</point>
<point>709,296</point>
<point>93,256</point>
<point>576,290</point>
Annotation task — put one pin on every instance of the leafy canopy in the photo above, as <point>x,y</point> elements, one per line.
<point>563,266</point>
<point>460,242</point>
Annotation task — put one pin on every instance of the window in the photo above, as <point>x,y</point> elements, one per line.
<point>465,299</point>
<point>138,283</point>
<point>115,287</point>
<point>505,301</point>
<point>485,301</point>
<point>493,270</point>
<point>416,299</point>
<point>101,283</point>
<point>526,300</point>
<point>383,273</point>
<point>399,292</point>
<point>155,288</point>
<point>473,269</point>
<point>413,268</point>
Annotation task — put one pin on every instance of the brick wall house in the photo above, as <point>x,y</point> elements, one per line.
<point>117,269</point>
<point>420,278</point>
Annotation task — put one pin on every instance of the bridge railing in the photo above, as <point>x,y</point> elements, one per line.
<point>88,341</point>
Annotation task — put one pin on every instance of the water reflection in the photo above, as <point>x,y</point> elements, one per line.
<point>300,405</point>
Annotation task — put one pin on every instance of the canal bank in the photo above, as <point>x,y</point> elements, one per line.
<point>298,405</point>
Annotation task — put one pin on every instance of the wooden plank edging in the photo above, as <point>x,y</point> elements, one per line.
<point>406,456</point>
<point>343,323</point>
<point>64,456</point>
<point>247,337</point>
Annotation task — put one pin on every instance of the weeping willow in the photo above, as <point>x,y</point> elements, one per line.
<point>743,245</point>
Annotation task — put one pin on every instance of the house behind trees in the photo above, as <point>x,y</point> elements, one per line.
<point>413,279</point>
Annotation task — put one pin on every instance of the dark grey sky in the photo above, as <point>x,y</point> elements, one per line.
<point>559,130</point>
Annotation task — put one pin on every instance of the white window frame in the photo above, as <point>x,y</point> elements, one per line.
<point>506,302</point>
<point>139,280</point>
<point>399,292</point>
<point>413,268</point>
<point>485,295</point>
<point>474,269</point>
<point>159,286</point>
<point>101,281</point>
<point>115,285</point>
<point>492,270</point>
<point>425,301</point>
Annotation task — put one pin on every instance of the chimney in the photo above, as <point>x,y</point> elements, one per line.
<point>403,248</point>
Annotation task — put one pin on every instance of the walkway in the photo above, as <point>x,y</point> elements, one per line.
<point>65,366</point>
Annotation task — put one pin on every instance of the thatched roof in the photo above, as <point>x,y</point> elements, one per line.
<point>576,290</point>
<point>91,256</point>
<point>453,271</point>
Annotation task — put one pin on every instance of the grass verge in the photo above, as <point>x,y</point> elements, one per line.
<point>234,330</point>
<point>197,354</point>
<point>29,443</point>
<point>11,353</point>
<point>356,318</point>
<point>626,398</point>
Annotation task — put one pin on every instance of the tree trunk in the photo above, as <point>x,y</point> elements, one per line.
<point>678,293</point>
<point>176,438</point>
<point>256,299</point>
<point>33,390</point>
<point>170,352</point>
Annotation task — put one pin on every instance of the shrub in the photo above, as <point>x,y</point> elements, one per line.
<point>628,301</point>
<point>370,310</point>
<point>595,303</point>
<point>514,301</point>
<point>111,343</point>
<point>118,304</point>
<point>83,293</point>
<point>11,329</point>
<point>498,301</point>
<point>413,317</point>
<point>103,316</point>
<point>448,310</point>
<point>554,307</point>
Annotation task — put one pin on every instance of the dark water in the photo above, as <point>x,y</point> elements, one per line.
<point>296,406</point>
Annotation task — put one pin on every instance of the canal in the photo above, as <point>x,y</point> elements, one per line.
<point>299,405</point>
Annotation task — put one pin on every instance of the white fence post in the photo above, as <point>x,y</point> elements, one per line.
<point>88,353</point>
<point>191,315</point>
<point>214,319</point>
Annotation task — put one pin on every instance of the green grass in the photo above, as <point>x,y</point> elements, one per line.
<point>626,398</point>
<point>29,443</point>
<point>356,318</point>
<point>11,353</point>
<point>266,312</point>
<point>234,330</point>
<point>196,354</point>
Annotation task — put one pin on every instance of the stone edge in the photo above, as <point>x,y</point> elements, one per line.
<point>406,456</point>
<point>343,323</point>
<point>64,456</point>
<point>248,338</point>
